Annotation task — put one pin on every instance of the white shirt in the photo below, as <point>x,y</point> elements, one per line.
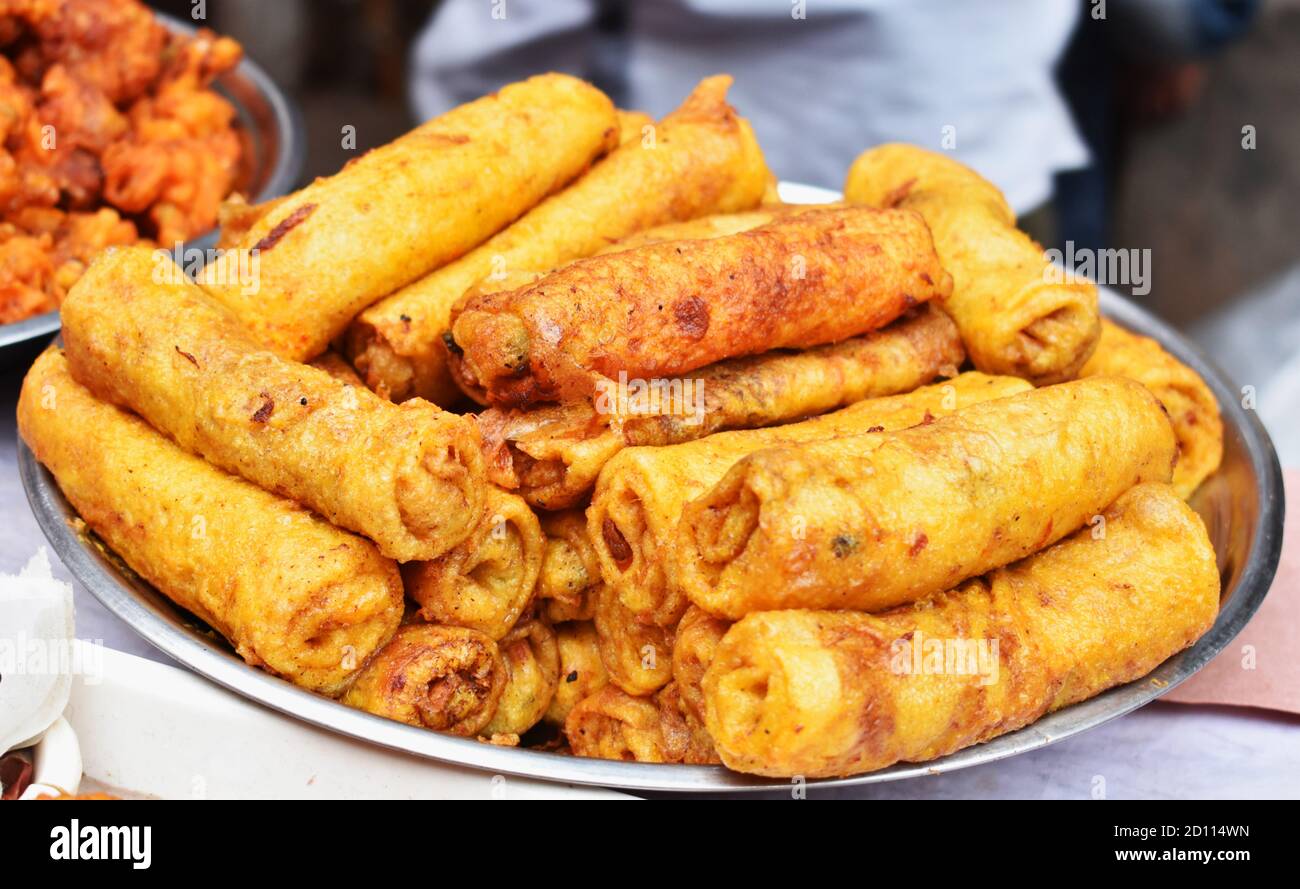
<point>973,78</point>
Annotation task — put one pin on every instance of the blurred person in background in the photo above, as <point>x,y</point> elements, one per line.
<point>1141,64</point>
<point>821,81</point>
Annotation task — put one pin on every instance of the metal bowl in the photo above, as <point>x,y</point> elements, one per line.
<point>1242,505</point>
<point>275,147</point>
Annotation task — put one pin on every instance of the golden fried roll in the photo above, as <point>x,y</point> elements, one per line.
<point>1191,405</point>
<point>570,569</point>
<point>553,453</point>
<point>1015,317</point>
<point>581,672</point>
<point>409,477</point>
<point>612,724</point>
<point>686,740</point>
<point>665,309</point>
<point>637,656</point>
<point>829,693</point>
<point>700,159</point>
<point>449,679</point>
<point>487,581</point>
<point>291,592</point>
<point>532,660</point>
<point>642,491</point>
<point>695,642</point>
<point>872,521</point>
<point>399,211</point>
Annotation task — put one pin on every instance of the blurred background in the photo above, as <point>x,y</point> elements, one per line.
<point>1160,126</point>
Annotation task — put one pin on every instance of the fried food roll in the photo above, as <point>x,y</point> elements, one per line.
<point>570,573</point>
<point>337,367</point>
<point>666,309</point>
<point>487,581</point>
<point>716,225</point>
<point>700,159</point>
<point>872,521</point>
<point>553,453</point>
<point>637,656</point>
<point>409,477</point>
<point>1015,317</point>
<point>695,643</point>
<point>642,491</point>
<point>291,592</point>
<point>449,679</point>
<point>399,211</point>
<point>824,694</point>
<point>612,724</point>
<point>581,672</point>
<point>1191,405</point>
<point>532,659</point>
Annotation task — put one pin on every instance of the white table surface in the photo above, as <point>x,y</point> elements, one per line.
<point>1161,751</point>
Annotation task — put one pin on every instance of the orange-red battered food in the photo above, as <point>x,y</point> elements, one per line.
<point>665,309</point>
<point>828,693</point>
<point>108,133</point>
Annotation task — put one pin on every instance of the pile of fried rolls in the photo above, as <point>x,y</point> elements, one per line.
<point>615,454</point>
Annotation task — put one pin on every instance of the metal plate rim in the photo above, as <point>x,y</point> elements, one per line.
<point>207,658</point>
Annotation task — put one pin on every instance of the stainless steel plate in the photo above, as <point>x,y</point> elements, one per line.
<point>275,142</point>
<point>1242,506</point>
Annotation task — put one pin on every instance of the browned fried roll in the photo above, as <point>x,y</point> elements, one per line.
<point>581,671</point>
<point>552,454</point>
<point>1016,314</point>
<point>532,661</point>
<point>570,574</point>
<point>829,693</point>
<point>487,581</point>
<point>695,642</point>
<point>700,159</point>
<point>868,522</point>
<point>666,309</point>
<point>449,679</point>
<point>409,477</point>
<point>291,592</point>
<point>637,656</point>
<point>611,724</point>
<point>1191,405</point>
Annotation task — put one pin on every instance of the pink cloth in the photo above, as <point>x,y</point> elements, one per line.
<point>1260,668</point>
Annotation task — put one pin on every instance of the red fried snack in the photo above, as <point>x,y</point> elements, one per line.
<point>666,309</point>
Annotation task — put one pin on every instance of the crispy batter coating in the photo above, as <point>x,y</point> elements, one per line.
<point>292,593</point>
<point>552,454</point>
<point>872,521</point>
<point>408,476</point>
<point>642,491</point>
<point>485,582</point>
<point>665,309</point>
<point>1015,318</point>
<point>694,645</point>
<point>107,123</point>
<point>612,724</point>
<point>413,205</point>
<point>820,694</point>
<point>700,159</point>
<point>637,656</point>
<point>532,660</point>
<point>1191,405</point>
<point>449,679</point>
<point>581,671</point>
<point>570,575</point>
